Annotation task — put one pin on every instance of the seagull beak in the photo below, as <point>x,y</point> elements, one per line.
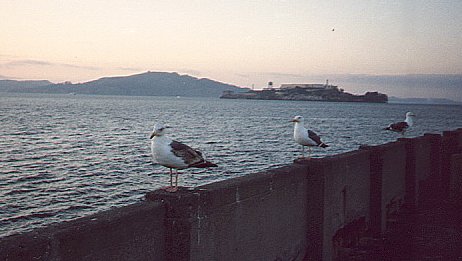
<point>294,120</point>
<point>152,135</point>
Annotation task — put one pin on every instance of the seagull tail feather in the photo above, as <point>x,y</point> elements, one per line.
<point>323,145</point>
<point>204,164</point>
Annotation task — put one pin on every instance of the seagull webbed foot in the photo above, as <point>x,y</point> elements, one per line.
<point>170,189</point>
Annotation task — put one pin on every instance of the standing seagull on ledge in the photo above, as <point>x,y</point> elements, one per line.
<point>306,137</point>
<point>174,155</point>
<point>403,126</point>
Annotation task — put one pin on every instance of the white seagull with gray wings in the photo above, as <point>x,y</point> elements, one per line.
<point>306,137</point>
<point>402,126</point>
<point>174,155</point>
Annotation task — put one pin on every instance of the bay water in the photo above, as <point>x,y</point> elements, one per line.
<point>67,156</point>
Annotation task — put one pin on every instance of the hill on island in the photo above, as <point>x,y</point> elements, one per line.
<point>144,84</point>
<point>14,86</point>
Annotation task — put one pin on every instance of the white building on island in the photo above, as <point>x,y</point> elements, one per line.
<point>312,86</point>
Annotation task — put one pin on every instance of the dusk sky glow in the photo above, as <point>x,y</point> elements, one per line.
<point>237,42</point>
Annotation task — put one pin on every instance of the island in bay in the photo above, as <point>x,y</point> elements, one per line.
<point>306,92</point>
<point>174,84</point>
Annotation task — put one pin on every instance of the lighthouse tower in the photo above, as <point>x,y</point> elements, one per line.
<point>269,87</point>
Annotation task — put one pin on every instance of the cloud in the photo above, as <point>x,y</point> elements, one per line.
<point>26,63</point>
<point>7,56</point>
<point>270,75</point>
<point>243,75</point>
<point>408,80</point>
<point>3,77</point>
<point>130,69</point>
<point>29,62</point>
<point>283,75</point>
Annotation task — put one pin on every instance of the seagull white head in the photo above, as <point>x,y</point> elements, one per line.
<point>297,119</point>
<point>159,130</point>
<point>410,114</point>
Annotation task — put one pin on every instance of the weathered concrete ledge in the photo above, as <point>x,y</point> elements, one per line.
<point>312,209</point>
<point>134,232</point>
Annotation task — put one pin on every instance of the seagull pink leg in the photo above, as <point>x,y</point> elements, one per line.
<point>171,188</point>
<point>303,152</point>
<point>176,180</point>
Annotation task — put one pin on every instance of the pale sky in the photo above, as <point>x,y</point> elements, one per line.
<point>233,41</point>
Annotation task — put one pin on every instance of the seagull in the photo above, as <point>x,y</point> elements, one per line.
<point>402,126</point>
<point>174,155</point>
<point>306,137</point>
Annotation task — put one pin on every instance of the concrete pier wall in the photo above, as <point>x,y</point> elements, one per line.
<point>308,210</point>
<point>232,219</point>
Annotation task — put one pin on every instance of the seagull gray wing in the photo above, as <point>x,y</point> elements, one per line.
<point>189,155</point>
<point>312,135</point>
<point>399,126</point>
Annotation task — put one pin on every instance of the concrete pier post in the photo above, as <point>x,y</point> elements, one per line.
<point>338,202</point>
<point>449,146</point>
<point>388,176</point>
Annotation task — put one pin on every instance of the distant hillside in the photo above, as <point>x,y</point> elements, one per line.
<point>447,86</point>
<point>423,101</point>
<point>144,84</point>
<point>15,86</point>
